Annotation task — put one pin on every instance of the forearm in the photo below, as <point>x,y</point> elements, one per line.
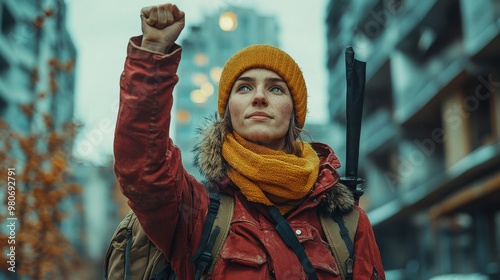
<point>169,203</point>
<point>142,145</point>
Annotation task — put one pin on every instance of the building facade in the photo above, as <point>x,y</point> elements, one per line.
<point>36,56</point>
<point>205,50</point>
<point>430,143</point>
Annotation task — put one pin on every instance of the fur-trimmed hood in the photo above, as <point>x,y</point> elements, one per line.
<point>208,159</point>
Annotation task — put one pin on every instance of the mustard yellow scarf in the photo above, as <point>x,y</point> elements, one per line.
<point>269,176</point>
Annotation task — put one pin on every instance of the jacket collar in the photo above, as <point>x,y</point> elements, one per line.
<point>333,196</point>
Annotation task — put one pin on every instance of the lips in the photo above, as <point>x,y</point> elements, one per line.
<point>259,114</point>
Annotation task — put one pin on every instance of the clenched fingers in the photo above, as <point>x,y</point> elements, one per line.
<point>159,16</point>
<point>178,14</point>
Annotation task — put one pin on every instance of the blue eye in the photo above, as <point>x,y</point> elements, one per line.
<point>277,89</point>
<point>244,88</point>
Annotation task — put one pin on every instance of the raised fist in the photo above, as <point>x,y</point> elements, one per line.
<point>161,26</point>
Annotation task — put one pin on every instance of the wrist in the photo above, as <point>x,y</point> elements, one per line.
<point>155,46</point>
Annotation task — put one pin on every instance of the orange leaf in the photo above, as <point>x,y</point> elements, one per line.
<point>58,163</point>
<point>39,21</point>
<point>49,12</point>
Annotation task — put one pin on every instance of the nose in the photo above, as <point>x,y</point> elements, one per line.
<point>260,98</point>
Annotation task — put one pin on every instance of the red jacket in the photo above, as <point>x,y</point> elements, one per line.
<point>171,205</point>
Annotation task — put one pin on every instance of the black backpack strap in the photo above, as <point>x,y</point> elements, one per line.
<point>340,231</point>
<point>222,221</point>
<point>203,256</point>
<point>286,233</point>
<point>128,248</point>
<point>213,245</point>
<point>344,233</point>
<point>165,274</point>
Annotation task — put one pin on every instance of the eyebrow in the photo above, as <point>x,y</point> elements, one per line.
<point>267,80</point>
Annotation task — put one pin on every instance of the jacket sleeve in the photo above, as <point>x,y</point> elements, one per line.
<point>169,203</point>
<point>367,259</point>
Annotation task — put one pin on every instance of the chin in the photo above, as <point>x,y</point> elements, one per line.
<point>258,137</point>
<point>263,139</point>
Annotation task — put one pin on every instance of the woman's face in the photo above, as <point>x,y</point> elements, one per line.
<point>261,107</point>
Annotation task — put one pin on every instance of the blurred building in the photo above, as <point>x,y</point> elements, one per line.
<point>35,52</point>
<point>37,57</point>
<point>104,207</point>
<point>205,49</point>
<point>430,143</point>
<point>329,133</point>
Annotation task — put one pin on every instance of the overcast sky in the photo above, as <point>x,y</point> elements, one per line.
<point>101,29</point>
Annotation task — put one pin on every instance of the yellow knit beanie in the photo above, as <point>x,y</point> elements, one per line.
<point>270,58</point>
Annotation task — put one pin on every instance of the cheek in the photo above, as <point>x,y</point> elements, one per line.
<point>235,109</point>
<point>286,110</point>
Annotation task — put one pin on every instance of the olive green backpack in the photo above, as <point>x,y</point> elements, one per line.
<point>132,256</point>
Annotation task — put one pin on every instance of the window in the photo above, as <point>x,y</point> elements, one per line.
<point>4,65</point>
<point>439,30</point>
<point>3,106</point>
<point>478,107</point>
<point>378,92</point>
<point>8,20</point>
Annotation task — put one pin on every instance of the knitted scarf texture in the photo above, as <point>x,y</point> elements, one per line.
<point>268,176</point>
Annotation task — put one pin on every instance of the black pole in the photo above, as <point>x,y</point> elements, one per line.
<point>355,78</point>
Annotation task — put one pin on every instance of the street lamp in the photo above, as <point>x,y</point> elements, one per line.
<point>199,78</point>
<point>200,59</point>
<point>228,21</point>
<point>198,96</point>
<point>207,89</point>
<point>215,73</point>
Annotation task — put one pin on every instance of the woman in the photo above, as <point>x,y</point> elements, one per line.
<point>252,152</point>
